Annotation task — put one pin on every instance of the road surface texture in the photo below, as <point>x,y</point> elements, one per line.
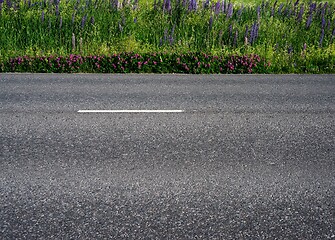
<point>251,157</point>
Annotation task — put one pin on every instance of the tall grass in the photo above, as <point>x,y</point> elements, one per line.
<point>293,35</point>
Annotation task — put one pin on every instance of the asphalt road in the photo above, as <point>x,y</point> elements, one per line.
<point>252,157</point>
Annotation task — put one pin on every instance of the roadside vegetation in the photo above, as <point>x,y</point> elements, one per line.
<point>182,36</point>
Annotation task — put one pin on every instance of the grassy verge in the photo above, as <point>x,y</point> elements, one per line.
<point>294,36</point>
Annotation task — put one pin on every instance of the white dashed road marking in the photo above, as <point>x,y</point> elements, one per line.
<point>131,111</point>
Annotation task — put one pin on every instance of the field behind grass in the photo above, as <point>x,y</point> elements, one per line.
<point>293,36</point>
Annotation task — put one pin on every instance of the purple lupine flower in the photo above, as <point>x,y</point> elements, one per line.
<point>57,10</point>
<point>0,6</point>
<point>321,37</point>
<point>210,24</point>
<point>1,1</point>
<point>319,8</point>
<point>254,33</point>
<point>192,5</point>
<point>323,22</point>
<point>114,4</point>
<point>29,3</point>
<point>135,4</point>
<point>287,12</point>
<point>301,13</point>
<point>171,40</point>
<point>42,17</point>
<point>135,20</point>
<point>312,7</point>
<point>92,20</point>
<point>230,30</point>
<point>304,47</point>
<point>328,25</point>
<point>258,12</point>
<point>323,12</point>
<point>160,42</point>
<point>296,3</point>
<point>333,33</point>
<point>230,10</point>
<point>325,6</point>
<point>239,12</point>
<point>172,30</point>
<point>290,50</point>
<point>83,21</point>
<point>205,4</point>
<point>9,3</point>
<point>217,7</point>
<point>165,35</point>
<point>223,9</point>
<point>309,21</point>
<point>167,5</point>
<point>280,8</point>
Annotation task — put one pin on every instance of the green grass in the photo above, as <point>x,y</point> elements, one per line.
<point>283,38</point>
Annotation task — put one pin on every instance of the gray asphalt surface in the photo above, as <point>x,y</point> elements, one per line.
<point>252,157</point>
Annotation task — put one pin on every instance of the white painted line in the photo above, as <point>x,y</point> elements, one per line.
<point>131,111</point>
